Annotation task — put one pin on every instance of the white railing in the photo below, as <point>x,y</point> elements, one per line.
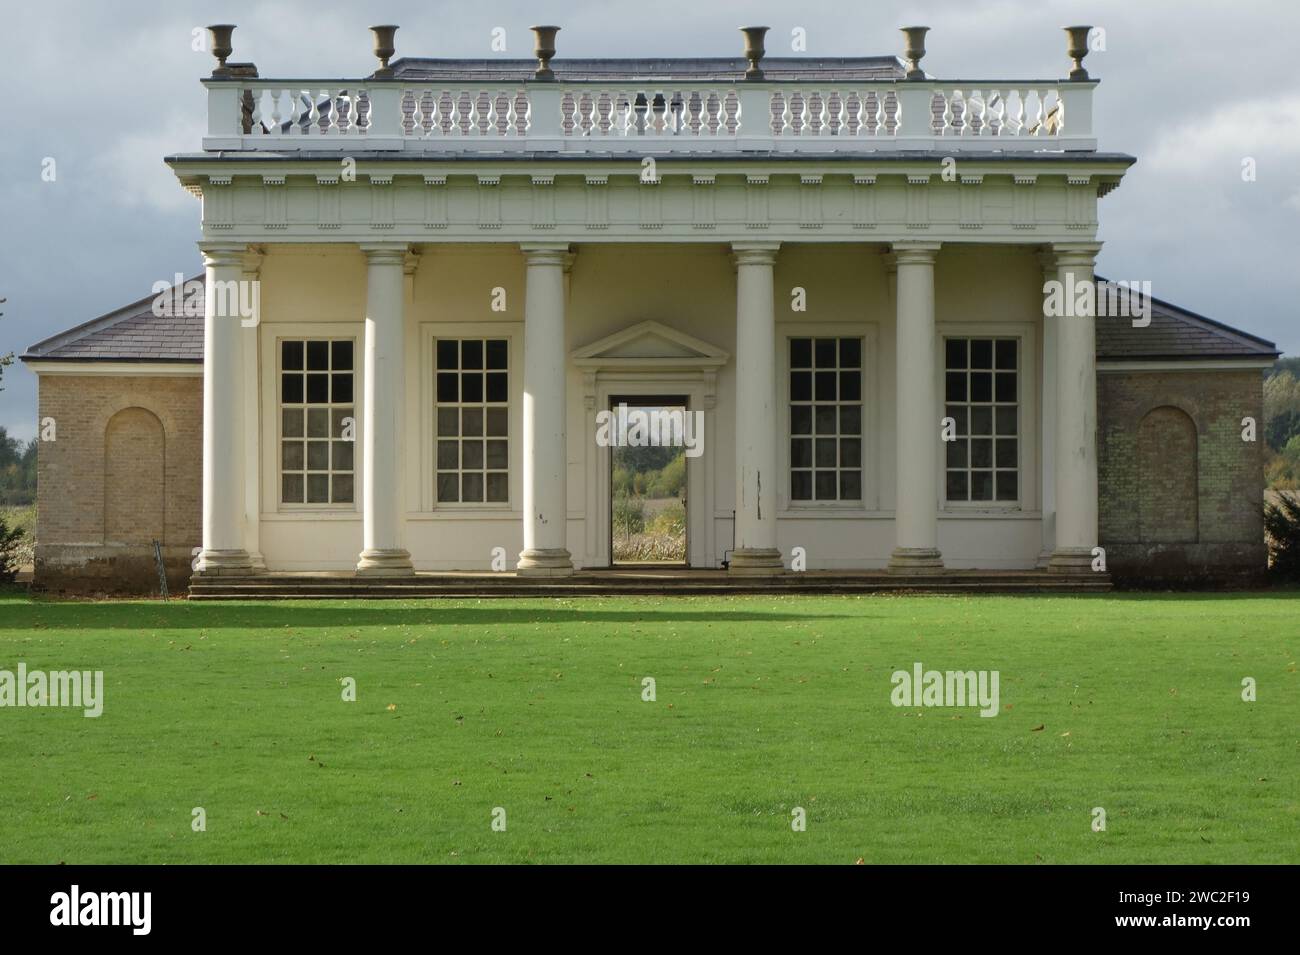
<point>247,114</point>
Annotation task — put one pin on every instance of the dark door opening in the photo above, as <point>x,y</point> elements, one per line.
<point>648,464</point>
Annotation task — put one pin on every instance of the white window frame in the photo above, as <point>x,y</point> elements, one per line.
<point>430,332</point>
<point>868,333</point>
<point>273,335</point>
<point>1027,385</point>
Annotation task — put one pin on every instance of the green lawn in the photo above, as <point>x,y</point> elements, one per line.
<point>1130,703</point>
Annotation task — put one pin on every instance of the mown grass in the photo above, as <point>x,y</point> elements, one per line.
<point>1131,703</point>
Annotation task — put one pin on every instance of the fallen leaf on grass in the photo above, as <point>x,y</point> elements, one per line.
<point>1040,726</point>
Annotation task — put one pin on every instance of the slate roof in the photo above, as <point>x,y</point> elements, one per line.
<point>134,333</point>
<point>130,333</point>
<point>650,70</point>
<point>1175,334</point>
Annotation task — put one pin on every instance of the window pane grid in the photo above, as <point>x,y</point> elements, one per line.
<point>316,397</point>
<point>472,417</point>
<point>981,395</point>
<point>825,419</point>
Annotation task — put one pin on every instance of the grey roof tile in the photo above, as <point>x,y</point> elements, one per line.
<point>1176,334</point>
<point>130,333</point>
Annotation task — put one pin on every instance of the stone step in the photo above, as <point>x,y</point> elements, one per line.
<point>304,587</point>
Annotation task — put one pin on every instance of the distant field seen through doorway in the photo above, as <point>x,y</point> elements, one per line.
<point>648,493</point>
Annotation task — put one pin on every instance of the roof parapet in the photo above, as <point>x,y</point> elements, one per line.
<point>487,106</point>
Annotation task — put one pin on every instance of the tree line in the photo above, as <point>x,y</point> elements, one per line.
<point>17,469</point>
<point>1282,426</point>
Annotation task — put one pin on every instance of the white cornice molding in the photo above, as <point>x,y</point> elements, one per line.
<point>102,367</point>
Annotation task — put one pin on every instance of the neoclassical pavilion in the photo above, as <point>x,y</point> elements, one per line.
<point>841,262</point>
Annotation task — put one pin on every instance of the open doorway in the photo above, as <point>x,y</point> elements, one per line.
<point>648,465</point>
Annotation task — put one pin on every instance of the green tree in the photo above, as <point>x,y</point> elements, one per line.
<point>17,469</point>
<point>1287,364</point>
<point>1282,524</point>
<point>1281,409</point>
<point>669,480</point>
<point>10,541</point>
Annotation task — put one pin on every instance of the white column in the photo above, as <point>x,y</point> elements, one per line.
<point>384,396</point>
<point>1076,412</point>
<point>223,414</point>
<point>918,438</point>
<point>252,418</point>
<point>1047,419</point>
<point>545,451</point>
<point>756,551</point>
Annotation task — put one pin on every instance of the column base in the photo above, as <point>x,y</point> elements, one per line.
<point>755,562</point>
<point>545,562</point>
<point>224,563</point>
<point>915,561</point>
<point>1071,560</point>
<point>385,562</point>
<point>1044,559</point>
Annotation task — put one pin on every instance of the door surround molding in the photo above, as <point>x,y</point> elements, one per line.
<point>649,358</point>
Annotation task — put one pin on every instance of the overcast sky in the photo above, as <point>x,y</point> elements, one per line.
<point>1190,87</point>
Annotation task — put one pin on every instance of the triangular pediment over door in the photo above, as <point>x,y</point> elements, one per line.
<point>650,344</point>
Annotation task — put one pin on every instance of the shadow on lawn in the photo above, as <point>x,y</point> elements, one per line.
<point>178,615</point>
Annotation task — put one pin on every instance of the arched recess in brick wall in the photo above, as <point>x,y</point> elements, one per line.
<point>134,485</point>
<point>1167,477</point>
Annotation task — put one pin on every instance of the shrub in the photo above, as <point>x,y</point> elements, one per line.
<point>671,521</point>
<point>11,547</point>
<point>669,481</point>
<point>622,482</point>
<point>1282,525</point>
<point>629,516</point>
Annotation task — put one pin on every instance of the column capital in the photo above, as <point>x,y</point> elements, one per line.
<point>411,260</point>
<point>912,252</point>
<point>219,254</point>
<point>1073,253</point>
<point>754,253</point>
<point>385,253</point>
<point>546,253</point>
<point>252,260</point>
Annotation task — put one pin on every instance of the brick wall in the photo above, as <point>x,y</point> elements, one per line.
<point>1181,494</point>
<point>125,468</point>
